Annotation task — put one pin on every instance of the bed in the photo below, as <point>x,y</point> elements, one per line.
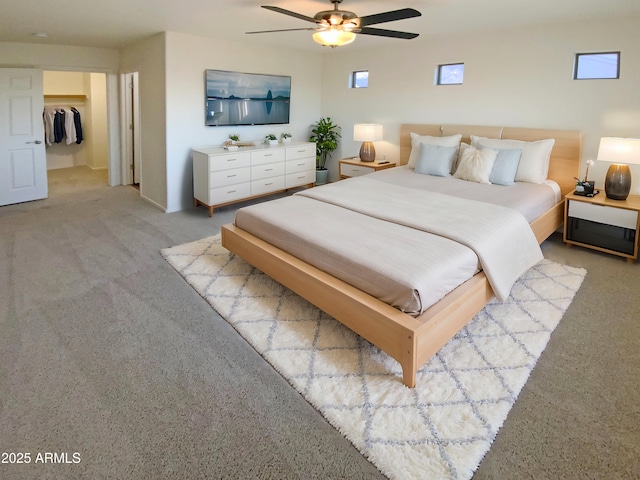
<point>409,332</point>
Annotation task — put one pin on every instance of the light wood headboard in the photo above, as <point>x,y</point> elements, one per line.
<point>564,164</point>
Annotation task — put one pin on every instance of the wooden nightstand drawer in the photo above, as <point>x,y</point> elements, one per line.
<point>354,170</point>
<point>619,217</point>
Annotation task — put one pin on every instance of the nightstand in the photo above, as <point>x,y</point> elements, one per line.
<point>354,167</point>
<point>603,224</point>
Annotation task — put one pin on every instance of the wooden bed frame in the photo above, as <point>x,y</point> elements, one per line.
<point>409,340</point>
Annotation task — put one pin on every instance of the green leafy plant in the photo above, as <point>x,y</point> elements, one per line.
<point>326,136</point>
<point>285,135</point>
<point>270,136</point>
<point>234,137</point>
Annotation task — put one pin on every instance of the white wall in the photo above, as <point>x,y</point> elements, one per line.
<point>148,58</point>
<point>520,77</point>
<point>187,57</point>
<point>58,57</point>
<point>98,136</point>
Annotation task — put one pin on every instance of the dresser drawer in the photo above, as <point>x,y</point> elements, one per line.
<point>300,178</point>
<point>267,156</point>
<point>301,151</point>
<point>354,171</point>
<point>229,177</point>
<point>232,160</point>
<point>267,185</point>
<point>619,217</point>
<point>267,170</point>
<point>229,193</point>
<point>301,165</point>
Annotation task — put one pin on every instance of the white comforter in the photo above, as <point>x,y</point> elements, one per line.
<point>501,237</point>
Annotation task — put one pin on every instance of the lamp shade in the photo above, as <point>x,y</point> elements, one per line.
<point>620,152</point>
<point>334,37</point>
<point>367,132</point>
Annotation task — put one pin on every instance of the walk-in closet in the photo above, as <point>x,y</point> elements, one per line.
<point>76,102</point>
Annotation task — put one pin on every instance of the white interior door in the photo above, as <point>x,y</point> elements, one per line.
<point>23,160</point>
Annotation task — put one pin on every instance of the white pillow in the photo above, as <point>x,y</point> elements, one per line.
<point>416,140</point>
<point>534,162</point>
<point>463,146</point>
<point>475,165</point>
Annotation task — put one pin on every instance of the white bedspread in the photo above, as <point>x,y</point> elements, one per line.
<point>501,237</point>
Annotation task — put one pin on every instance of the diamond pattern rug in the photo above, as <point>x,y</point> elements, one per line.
<point>440,429</point>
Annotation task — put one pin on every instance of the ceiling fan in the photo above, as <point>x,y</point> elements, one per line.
<point>338,27</point>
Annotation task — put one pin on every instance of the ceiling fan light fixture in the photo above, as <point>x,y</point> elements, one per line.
<point>334,37</point>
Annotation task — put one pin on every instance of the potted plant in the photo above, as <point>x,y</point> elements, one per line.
<point>271,139</point>
<point>234,138</point>
<point>286,137</point>
<point>326,135</point>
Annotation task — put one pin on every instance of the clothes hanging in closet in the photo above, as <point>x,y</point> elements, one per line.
<point>62,123</point>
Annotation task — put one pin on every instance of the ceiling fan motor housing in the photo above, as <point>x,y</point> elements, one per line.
<point>335,17</point>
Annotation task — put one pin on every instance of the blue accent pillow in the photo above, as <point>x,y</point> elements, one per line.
<point>435,160</point>
<point>506,166</point>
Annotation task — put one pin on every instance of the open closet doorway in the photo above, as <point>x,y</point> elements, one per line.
<point>78,156</point>
<point>132,135</point>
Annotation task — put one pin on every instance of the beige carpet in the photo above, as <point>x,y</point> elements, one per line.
<point>443,427</point>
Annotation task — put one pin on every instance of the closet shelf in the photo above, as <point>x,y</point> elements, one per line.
<point>75,96</point>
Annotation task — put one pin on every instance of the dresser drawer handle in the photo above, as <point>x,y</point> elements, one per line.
<point>231,191</point>
<point>267,184</point>
<point>268,154</point>
<point>301,164</point>
<point>231,176</point>
<point>268,169</point>
<point>231,159</point>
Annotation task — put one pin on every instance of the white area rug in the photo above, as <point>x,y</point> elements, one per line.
<point>442,428</point>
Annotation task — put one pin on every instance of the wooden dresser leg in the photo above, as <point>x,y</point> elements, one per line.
<point>211,211</point>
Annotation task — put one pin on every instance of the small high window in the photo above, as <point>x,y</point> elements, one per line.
<point>450,74</point>
<point>597,65</point>
<point>359,79</point>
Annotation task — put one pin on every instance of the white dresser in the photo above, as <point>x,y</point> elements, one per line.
<point>221,177</point>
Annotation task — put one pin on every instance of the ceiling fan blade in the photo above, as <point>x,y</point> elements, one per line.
<point>290,13</point>
<point>391,16</point>
<point>380,32</point>
<point>283,30</point>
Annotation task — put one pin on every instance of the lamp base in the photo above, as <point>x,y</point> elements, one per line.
<point>367,152</point>
<point>617,183</point>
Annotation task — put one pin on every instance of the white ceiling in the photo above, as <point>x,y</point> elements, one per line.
<point>117,23</point>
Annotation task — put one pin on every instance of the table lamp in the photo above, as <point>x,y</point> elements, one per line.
<point>367,133</point>
<point>621,152</point>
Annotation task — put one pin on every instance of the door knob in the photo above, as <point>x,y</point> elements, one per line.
<point>38,142</point>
